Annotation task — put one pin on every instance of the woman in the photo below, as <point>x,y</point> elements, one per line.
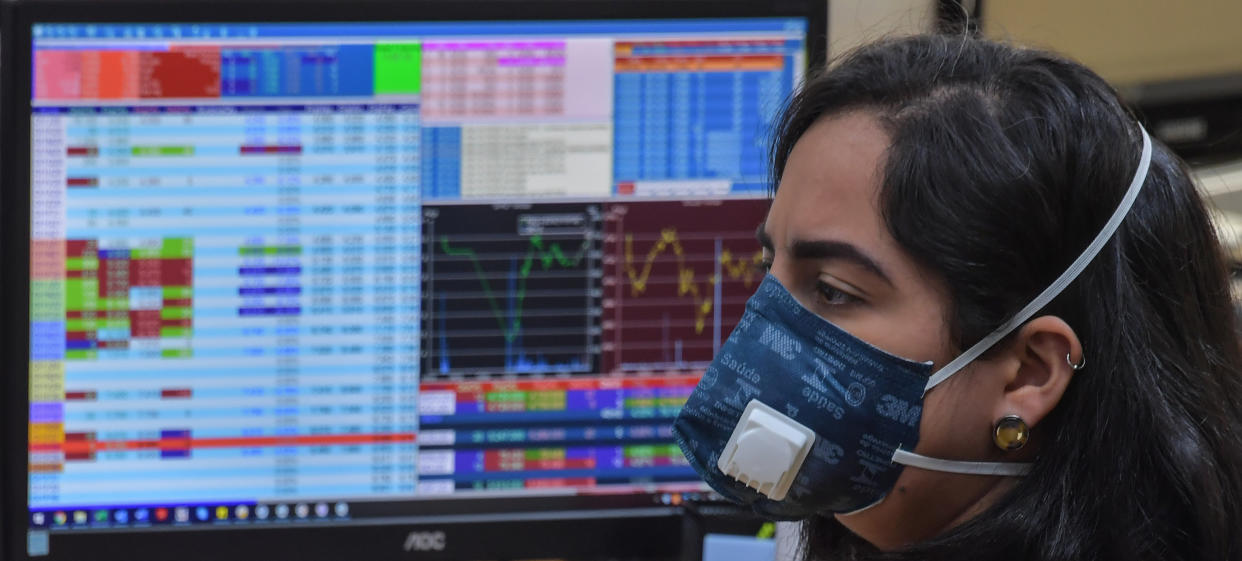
<point>929,189</point>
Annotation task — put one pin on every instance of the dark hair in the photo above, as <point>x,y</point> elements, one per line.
<point>1004,164</point>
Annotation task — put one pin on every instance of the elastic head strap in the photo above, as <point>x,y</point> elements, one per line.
<point>1054,289</point>
<point>1011,469</point>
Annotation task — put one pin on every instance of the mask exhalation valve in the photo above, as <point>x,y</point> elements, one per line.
<point>766,450</point>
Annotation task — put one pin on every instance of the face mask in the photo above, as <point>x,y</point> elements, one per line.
<point>795,416</point>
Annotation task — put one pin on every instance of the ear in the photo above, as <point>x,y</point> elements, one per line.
<point>1039,372</point>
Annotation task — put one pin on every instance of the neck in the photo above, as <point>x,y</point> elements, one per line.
<point>973,498</point>
<point>990,495</point>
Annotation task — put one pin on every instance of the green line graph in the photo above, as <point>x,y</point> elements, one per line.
<point>541,254</point>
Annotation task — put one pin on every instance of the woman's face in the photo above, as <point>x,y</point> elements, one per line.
<point>827,242</point>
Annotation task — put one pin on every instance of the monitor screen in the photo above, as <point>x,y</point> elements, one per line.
<point>290,273</point>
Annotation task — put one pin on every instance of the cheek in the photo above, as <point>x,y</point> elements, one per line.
<point>957,421</point>
<point>910,320</point>
<point>914,331</point>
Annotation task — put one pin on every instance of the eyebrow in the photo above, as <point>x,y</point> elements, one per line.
<point>827,250</point>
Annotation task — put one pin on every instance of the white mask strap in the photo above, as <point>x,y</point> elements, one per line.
<point>954,466</point>
<point>1054,289</point>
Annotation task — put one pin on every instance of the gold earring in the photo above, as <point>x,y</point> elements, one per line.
<point>1011,433</point>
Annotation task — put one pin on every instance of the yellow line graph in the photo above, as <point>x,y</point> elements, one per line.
<point>731,266</point>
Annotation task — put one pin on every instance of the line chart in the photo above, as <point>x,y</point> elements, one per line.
<point>517,293</point>
<point>673,293</point>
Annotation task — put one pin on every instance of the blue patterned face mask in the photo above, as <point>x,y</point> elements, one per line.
<point>795,416</point>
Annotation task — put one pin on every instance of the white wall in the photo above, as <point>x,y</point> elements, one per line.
<point>854,22</point>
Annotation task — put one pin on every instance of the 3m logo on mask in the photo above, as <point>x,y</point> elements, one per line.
<point>780,342</point>
<point>899,410</point>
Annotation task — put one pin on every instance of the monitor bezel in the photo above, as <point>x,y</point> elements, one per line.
<point>572,531</point>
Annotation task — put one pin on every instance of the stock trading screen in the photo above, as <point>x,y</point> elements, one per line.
<point>282,271</point>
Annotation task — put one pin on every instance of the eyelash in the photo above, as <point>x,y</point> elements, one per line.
<point>832,296</point>
<point>828,295</point>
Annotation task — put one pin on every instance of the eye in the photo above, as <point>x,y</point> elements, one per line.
<point>832,296</point>
<point>762,262</point>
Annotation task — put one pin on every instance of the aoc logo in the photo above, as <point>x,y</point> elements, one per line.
<point>780,342</point>
<point>899,410</point>
<point>425,541</point>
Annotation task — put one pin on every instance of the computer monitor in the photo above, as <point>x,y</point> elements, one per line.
<point>374,280</point>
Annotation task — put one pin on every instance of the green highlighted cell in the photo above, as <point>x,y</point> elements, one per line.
<point>162,151</point>
<point>175,332</point>
<point>543,454</point>
<point>398,68</point>
<point>82,294</point>
<point>648,402</point>
<point>249,251</point>
<point>512,396</point>
<point>80,355</point>
<point>81,264</point>
<point>545,401</point>
<point>95,324</point>
<point>176,353</point>
<point>176,312</point>
<point>652,451</point>
<point>178,292</point>
<point>174,248</point>
<point>645,451</point>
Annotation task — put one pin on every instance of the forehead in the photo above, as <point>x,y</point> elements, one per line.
<point>830,185</point>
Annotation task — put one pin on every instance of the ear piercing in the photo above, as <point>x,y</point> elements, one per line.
<point>1010,433</point>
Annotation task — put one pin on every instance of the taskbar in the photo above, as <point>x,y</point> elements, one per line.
<point>490,504</point>
<point>186,514</point>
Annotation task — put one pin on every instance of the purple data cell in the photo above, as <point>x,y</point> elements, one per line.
<point>47,412</point>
